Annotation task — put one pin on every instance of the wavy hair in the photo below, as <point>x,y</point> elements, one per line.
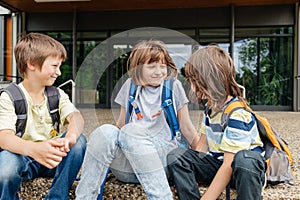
<point>211,73</point>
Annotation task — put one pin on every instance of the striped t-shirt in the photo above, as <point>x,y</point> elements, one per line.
<point>241,133</point>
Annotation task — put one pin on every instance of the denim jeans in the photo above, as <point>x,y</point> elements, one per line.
<point>132,156</point>
<point>188,168</point>
<point>15,167</point>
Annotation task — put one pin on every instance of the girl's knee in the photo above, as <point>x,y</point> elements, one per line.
<point>105,130</point>
<point>103,134</point>
<point>103,140</point>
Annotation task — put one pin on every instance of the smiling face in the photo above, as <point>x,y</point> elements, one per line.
<point>50,70</point>
<point>154,73</point>
<point>150,63</point>
<point>34,48</point>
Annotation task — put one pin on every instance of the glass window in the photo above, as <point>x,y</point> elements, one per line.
<point>263,58</point>
<point>91,77</point>
<point>265,65</point>
<point>179,53</point>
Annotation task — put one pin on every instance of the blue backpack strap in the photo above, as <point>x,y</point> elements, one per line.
<point>167,105</point>
<point>171,117</point>
<point>132,93</point>
<point>53,96</point>
<point>17,97</point>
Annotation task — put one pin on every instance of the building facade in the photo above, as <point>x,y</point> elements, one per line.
<point>262,38</point>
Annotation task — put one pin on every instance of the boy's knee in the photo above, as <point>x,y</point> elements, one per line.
<point>174,155</point>
<point>10,166</point>
<point>248,160</point>
<point>80,145</point>
<point>7,175</point>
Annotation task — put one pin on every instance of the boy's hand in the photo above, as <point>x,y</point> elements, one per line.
<point>66,143</point>
<point>47,153</point>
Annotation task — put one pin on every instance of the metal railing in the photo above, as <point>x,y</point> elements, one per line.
<point>243,90</point>
<point>73,88</point>
<point>4,83</point>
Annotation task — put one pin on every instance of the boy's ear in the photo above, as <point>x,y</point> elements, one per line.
<point>30,66</point>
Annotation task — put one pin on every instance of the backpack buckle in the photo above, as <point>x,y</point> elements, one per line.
<point>131,99</point>
<point>182,142</point>
<point>178,135</point>
<point>166,103</point>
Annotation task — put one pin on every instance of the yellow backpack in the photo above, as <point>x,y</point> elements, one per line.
<point>277,154</point>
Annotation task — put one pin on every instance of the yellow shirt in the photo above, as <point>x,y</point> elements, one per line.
<point>39,122</point>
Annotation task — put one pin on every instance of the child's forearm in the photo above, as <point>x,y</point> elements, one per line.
<point>76,124</point>
<point>121,120</point>
<point>222,178</point>
<point>9,141</point>
<point>200,143</point>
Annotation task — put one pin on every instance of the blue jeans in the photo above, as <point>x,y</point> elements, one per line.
<point>132,156</point>
<point>15,167</point>
<point>188,168</point>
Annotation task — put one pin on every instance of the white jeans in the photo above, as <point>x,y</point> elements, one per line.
<point>131,154</point>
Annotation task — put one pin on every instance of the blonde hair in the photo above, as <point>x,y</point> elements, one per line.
<point>146,52</point>
<point>212,74</point>
<point>35,48</point>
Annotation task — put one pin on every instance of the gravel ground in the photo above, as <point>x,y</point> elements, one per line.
<point>286,123</point>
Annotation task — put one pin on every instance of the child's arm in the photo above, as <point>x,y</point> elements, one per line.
<point>188,130</point>
<point>202,144</point>
<point>75,128</point>
<point>121,120</point>
<point>46,153</point>
<point>221,179</point>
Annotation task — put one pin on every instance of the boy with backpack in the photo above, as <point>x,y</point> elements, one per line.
<point>38,149</point>
<point>244,151</point>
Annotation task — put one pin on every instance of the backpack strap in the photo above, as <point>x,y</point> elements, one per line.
<point>169,110</point>
<point>229,109</point>
<point>168,106</point>
<point>132,95</point>
<point>53,97</point>
<point>235,105</point>
<point>17,97</point>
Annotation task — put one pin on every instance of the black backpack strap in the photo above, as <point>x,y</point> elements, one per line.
<point>53,96</point>
<point>17,97</point>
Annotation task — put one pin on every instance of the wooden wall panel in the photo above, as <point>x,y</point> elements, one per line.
<point>8,48</point>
